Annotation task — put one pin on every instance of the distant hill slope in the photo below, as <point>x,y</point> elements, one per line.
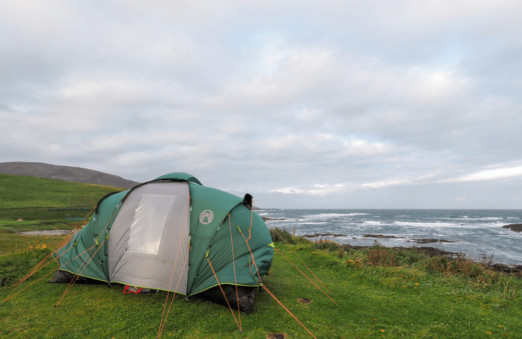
<point>33,194</point>
<point>66,173</point>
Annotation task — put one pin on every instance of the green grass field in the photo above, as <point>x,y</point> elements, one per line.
<point>382,293</point>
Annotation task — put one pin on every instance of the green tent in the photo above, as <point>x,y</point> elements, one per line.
<point>171,234</point>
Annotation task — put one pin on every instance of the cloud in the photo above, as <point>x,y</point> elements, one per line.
<point>318,189</point>
<point>382,184</point>
<point>492,174</point>
<point>299,103</point>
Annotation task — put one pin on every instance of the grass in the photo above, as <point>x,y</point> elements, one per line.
<point>29,203</point>
<point>27,192</point>
<point>380,293</point>
<point>373,301</point>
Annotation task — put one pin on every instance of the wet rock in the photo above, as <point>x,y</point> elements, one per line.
<point>515,270</point>
<point>437,252</point>
<point>514,227</point>
<point>380,236</point>
<point>431,241</point>
<point>328,234</point>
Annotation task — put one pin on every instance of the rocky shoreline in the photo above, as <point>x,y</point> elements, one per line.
<point>430,251</point>
<point>379,236</point>
<point>437,252</point>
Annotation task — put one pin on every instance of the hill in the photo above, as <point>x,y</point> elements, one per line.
<point>31,192</point>
<point>66,173</point>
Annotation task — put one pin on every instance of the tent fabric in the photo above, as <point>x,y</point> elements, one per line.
<point>81,255</point>
<point>148,238</point>
<point>162,235</point>
<point>179,176</point>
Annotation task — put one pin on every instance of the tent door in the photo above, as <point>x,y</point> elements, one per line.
<point>148,243</point>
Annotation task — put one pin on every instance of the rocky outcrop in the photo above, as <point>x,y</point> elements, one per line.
<point>328,234</point>
<point>431,241</point>
<point>379,236</point>
<point>514,227</point>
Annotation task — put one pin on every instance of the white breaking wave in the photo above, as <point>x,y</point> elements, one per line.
<point>332,215</point>
<point>309,223</point>
<point>371,223</point>
<point>446,224</point>
<point>466,218</point>
<point>426,224</point>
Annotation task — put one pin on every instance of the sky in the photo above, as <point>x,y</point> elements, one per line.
<point>303,104</point>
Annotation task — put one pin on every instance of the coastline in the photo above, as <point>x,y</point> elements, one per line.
<point>328,237</point>
<point>489,237</point>
<point>437,252</point>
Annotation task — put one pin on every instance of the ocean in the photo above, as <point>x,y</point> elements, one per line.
<point>476,233</point>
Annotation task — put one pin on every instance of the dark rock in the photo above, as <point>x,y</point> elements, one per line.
<point>517,270</point>
<point>500,267</point>
<point>380,236</point>
<point>437,252</point>
<point>431,241</point>
<point>514,227</point>
<point>429,251</point>
<point>328,234</point>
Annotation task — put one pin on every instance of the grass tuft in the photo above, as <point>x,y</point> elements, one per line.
<point>281,236</point>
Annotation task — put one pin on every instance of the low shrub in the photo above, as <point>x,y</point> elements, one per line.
<point>327,245</point>
<point>381,257</point>
<point>281,235</point>
<point>437,265</point>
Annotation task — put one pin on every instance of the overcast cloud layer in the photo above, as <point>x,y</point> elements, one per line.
<point>330,104</point>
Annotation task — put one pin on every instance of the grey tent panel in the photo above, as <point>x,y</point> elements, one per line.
<point>149,239</point>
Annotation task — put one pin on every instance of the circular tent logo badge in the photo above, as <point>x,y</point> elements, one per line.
<point>206,217</point>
